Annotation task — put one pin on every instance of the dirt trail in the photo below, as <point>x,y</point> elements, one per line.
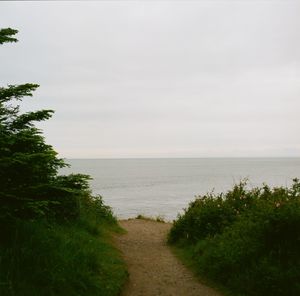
<point>153,269</point>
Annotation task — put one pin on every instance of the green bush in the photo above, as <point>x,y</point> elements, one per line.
<point>253,249</point>
<point>208,215</point>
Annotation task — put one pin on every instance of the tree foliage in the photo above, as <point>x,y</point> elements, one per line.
<point>30,185</point>
<point>6,35</point>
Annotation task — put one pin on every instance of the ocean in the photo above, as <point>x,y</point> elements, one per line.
<point>164,187</point>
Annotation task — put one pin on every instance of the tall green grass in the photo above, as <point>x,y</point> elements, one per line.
<point>246,240</point>
<point>39,257</point>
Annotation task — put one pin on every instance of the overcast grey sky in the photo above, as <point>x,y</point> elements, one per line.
<point>162,78</point>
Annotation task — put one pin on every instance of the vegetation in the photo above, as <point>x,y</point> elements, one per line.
<point>246,240</point>
<point>157,218</point>
<point>54,233</point>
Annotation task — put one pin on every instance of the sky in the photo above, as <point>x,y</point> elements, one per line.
<point>131,79</point>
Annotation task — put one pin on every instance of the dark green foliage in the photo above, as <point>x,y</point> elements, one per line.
<point>30,185</point>
<point>6,35</point>
<point>54,238</point>
<point>28,166</point>
<point>208,215</point>
<point>253,248</point>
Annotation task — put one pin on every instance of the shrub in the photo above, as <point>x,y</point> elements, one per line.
<point>256,252</point>
<point>208,215</point>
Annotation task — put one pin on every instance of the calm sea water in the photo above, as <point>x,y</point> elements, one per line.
<point>165,186</point>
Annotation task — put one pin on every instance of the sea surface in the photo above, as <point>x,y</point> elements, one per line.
<point>163,187</point>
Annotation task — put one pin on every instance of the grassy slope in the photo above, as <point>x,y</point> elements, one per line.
<point>69,259</point>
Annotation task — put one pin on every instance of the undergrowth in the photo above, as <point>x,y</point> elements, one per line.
<point>72,258</point>
<point>246,240</point>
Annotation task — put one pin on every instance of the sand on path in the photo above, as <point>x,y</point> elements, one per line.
<point>153,268</point>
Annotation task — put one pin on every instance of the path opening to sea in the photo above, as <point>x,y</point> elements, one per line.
<point>163,187</point>
<point>153,268</point>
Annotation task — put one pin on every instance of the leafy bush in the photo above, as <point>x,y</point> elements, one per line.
<point>253,248</point>
<point>208,215</point>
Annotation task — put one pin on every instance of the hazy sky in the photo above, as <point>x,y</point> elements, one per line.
<point>160,78</point>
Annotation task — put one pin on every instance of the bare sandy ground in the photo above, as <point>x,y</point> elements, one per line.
<point>153,269</point>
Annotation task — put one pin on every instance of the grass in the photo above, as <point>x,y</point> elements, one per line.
<point>73,258</point>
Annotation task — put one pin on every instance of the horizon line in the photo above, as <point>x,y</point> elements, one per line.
<point>203,157</point>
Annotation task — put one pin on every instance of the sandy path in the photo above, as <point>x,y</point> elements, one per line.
<point>153,269</point>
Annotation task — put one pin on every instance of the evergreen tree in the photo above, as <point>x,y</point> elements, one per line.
<point>29,181</point>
